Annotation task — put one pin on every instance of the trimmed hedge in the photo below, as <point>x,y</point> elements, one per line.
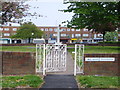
<point>109,42</point>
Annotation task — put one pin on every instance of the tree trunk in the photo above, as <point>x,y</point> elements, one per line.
<point>28,40</point>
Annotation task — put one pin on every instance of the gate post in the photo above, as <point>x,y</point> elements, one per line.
<point>44,59</point>
<point>75,60</point>
<point>36,58</point>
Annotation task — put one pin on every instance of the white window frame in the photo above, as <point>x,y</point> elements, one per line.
<point>6,29</point>
<point>77,35</point>
<point>63,35</point>
<point>1,29</point>
<point>46,29</point>
<point>54,34</point>
<point>72,29</point>
<point>42,29</point>
<point>85,29</point>
<point>63,29</point>
<point>55,29</point>
<point>73,35</point>
<point>6,34</point>
<point>77,29</point>
<point>85,35</point>
<point>14,29</point>
<point>50,29</point>
<point>68,29</point>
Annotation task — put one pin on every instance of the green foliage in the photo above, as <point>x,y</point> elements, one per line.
<point>110,42</point>
<point>12,11</point>
<point>26,30</point>
<point>98,81</point>
<point>99,16</point>
<point>15,81</point>
<point>111,36</point>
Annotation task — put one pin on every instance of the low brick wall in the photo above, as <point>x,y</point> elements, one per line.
<point>110,68</point>
<point>17,63</point>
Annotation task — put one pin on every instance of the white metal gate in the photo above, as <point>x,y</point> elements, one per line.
<point>51,57</point>
<point>79,59</point>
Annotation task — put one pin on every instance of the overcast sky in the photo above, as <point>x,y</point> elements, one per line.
<point>49,10</point>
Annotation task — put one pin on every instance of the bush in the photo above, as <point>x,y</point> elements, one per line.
<point>109,42</point>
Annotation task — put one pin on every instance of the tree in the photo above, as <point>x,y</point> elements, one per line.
<point>14,12</point>
<point>111,36</point>
<point>28,31</point>
<point>99,16</point>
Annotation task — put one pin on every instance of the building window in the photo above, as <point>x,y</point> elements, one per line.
<point>14,29</point>
<point>42,29</point>
<point>63,29</point>
<point>55,29</point>
<point>68,29</point>
<point>46,29</point>
<point>14,33</point>
<point>85,35</point>
<point>85,29</point>
<point>0,34</point>
<point>72,35</point>
<point>54,34</point>
<point>6,29</point>
<point>118,35</point>
<point>77,29</point>
<point>50,29</point>
<point>63,35</point>
<point>6,34</point>
<point>1,29</point>
<point>72,29</point>
<point>77,35</point>
<point>100,35</point>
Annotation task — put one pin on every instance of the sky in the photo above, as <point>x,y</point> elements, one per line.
<point>49,10</point>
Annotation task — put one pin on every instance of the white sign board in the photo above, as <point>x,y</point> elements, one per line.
<point>99,59</point>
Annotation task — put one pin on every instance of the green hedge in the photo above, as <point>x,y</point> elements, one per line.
<point>109,42</point>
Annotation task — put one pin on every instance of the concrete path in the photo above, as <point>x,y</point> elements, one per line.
<point>60,81</point>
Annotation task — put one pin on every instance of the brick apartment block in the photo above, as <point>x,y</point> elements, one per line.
<point>68,35</point>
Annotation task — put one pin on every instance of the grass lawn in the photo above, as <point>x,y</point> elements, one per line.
<point>21,81</point>
<point>19,48</point>
<point>88,49</point>
<point>98,81</point>
<point>99,49</point>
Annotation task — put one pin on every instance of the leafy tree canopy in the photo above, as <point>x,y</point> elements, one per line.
<point>27,31</point>
<point>99,16</point>
<point>111,36</point>
<point>14,12</point>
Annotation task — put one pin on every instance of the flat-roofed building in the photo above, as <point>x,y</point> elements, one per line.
<point>68,35</point>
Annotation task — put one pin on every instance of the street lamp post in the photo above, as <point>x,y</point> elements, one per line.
<point>32,37</point>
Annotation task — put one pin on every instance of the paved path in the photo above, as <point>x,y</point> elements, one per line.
<point>60,81</point>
